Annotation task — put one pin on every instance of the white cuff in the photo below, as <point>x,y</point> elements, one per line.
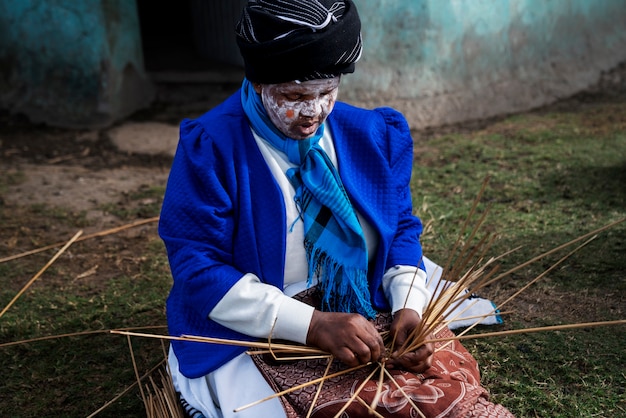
<point>293,320</point>
<point>405,287</point>
<point>253,308</point>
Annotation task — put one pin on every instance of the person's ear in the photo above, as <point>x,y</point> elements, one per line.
<point>257,87</point>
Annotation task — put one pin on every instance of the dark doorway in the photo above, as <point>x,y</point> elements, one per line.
<point>191,37</point>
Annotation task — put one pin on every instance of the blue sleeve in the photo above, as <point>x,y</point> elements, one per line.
<point>405,248</point>
<point>196,221</point>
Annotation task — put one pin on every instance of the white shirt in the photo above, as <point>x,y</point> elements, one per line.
<point>262,310</point>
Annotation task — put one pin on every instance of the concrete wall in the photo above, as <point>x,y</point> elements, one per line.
<point>445,61</point>
<point>80,63</point>
<point>71,63</point>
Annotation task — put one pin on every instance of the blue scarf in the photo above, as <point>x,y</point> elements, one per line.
<point>333,238</point>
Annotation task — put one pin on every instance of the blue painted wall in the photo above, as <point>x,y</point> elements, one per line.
<point>444,61</point>
<point>71,63</point>
<point>79,63</point>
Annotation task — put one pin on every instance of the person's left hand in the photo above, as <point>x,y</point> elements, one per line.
<point>417,361</point>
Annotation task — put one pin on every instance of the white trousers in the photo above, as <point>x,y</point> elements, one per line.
<point>235,384</point>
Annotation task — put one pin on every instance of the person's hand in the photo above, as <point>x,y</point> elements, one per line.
<point>349,337</point>
<point>417,361</point>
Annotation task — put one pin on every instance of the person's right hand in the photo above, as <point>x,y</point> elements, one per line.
<point>349,337</point>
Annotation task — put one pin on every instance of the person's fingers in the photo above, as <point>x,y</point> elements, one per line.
<point>375,344</point>
<point>367,342</point>
<point>408,362</point>
<point>348,357</point>
<point>351,338</point>
<point>367,352</point>
<point>404,324</point>
<point>417,361</point>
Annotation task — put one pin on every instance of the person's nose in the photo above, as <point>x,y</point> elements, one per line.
<point>311,108</point>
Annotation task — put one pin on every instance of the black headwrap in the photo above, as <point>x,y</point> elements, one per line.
<point>287,40</point>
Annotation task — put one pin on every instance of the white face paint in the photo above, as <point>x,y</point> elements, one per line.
<point>299,108</point>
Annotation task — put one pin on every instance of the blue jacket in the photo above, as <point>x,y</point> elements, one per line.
<point>223,214</point>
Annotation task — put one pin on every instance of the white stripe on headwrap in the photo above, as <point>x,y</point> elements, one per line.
<point>308,13</point>
<point>352,56</point>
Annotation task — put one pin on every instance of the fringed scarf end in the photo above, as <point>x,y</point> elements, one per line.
<point>343,288</point>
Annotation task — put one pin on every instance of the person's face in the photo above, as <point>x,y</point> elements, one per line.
<point>299,108</point>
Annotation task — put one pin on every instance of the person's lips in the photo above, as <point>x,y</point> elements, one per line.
<point>308,128</point>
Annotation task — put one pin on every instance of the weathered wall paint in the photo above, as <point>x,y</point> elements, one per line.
<point>445,61</point>
<point>80,63</point>
<point>71,63</point>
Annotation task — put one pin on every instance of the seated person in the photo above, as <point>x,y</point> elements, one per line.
<point>281,189</point>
